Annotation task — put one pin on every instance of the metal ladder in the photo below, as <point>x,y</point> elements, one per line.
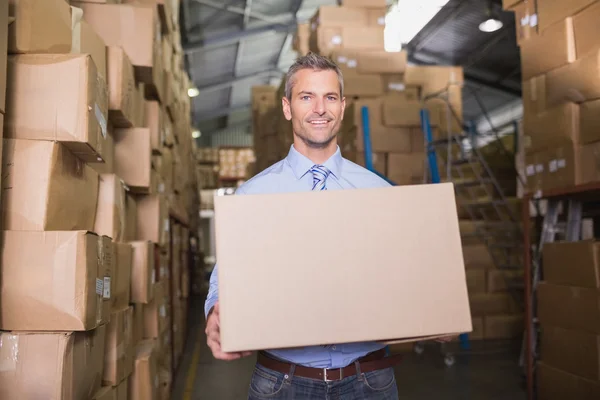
<point>570,230</point>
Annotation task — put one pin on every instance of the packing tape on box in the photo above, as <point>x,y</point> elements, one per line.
<point>9,352</point>
<point>76,18</point>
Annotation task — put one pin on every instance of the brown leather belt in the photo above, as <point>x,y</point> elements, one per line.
<point>371,362</point>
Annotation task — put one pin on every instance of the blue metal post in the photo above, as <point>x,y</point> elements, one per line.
<point>366,125</point>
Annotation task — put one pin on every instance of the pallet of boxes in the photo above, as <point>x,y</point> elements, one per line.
<point>560,56</point>
<point>85,202</point>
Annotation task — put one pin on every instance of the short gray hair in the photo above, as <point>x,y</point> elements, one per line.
<point>315,62</point>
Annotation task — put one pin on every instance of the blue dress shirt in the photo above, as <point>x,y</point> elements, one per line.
<point>292,174</point>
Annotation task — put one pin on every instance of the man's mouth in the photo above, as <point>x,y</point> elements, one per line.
<point>319,122</point>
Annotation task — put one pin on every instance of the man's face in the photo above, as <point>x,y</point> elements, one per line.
<point>316,108</point>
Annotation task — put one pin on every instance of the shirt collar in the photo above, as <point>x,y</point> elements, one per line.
<point>300,164</point>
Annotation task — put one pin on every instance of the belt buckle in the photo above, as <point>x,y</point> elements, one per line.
<point>326,378</point>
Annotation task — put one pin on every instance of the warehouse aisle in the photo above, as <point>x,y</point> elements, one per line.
<point>489,377</point>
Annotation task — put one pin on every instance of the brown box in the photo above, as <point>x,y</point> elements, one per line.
<point>143,383</point>
<point>587,30</point>
<point>123,390</point>
<point>142,272</point>
<point>131,218</point>
<point>589,124</point>
<point>360,38</point>
<point>406,169</point>
<point>58,98</point>
<point>85,40</point>
<point>553,11</point>
<point>476,281</point>
<point>534,95</point>
<point>569,307</point>
<point>433,79</point>
<point>377,16</point>
<point>121,83</point>
<point>381,62</point>
<point>572,263</point>
<point>133,157</point>
<point>509,4</point>
<point>66,366</point>
<point>401,113</point>
<point>64,285</point>
<point>577,82</point>
<point>386,139</point>
<point>552,49</point>
<point>110,213</point>
<point>152,218</point>
<point>391,222</point>
<point>138,323</point>
<point>45,187</point>
<point>554,127</point>
<point>154,121</point>
<point>106,393</point>
<point>108,166</point>
<point>554,384</point>
<point>3,53</point>
<point>364,3</point>
<point>588,164</point>
<point>40,26</point>
<point>497,327</point>
<point>118,354</point>
<point>335,16</point>
<point>121,282</point>
<point>492,304</point>
<point>155,313</point>
<point>363,85</point>
<point>499,280</point>
<point>572,351</point>
<point>526,21</point>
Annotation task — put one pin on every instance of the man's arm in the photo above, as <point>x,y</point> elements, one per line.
<point>213,292</point>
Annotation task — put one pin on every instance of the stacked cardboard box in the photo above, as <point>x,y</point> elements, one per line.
<point>561,93</point>
<point>569,316</point>
<point>91,105</point>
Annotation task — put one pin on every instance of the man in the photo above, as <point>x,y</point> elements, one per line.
<point>315,104</point>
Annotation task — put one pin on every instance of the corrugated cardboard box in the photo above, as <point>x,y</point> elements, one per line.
<point>590,122</point>
<point>155,313</point>
<point>439,306</point>
<point>121,282</point>
<point>577,352</point>
<point>154,121</point>
<point>401,112</point>
<point>509,4</point>
<point>577,82</point>
<point>476,281</point>
<point>526,20</point>
<point>552,49</point>
<point>3,53</point>
<point>534,95</point>
<point>152,218</point>
<point>587,30</point>
<point>498,280</point>
<point>381,62</point>
<point>498,327</point>
<point>554,127</point>
<point>131,215</point>
<point>118,355</point>
<point>406,169</point>
<point>40,26</point>
<point>477,256</point>
<point>121,83</point>
<point>108,166</point>
<point>86,41</point>
<point>484,304</point>
<point>138,323</point>
<point>66,366</point>
<point>144,382</point>
<point>58,98</point>
<point>56,281</point>
<point>135,171</point>
<point>433,79</point>
<point>335,16</point>
<point>589,163</point>
<point>106,393</point>
<point>142,272</point>
<point>554,11</point>
<point>554,384</point>
<point>110,213</point>
<point>364,3</point>
<point>165,381</point>
<point>123,390</point>
<point>363,85</point>
<point>572,263</point>
<point>45,187</point>
<point>327,39</point>
<point>557,305</point>
<point>385,139</point>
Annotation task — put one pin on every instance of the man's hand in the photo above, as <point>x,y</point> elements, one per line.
<point>213,338</point>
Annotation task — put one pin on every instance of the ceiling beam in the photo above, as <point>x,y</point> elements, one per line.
<point>227,82</point>
<point>208,42</point>
<point>242,11</point>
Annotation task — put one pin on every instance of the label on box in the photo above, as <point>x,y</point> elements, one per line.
<point>530,170</point>
<point>525,20</point>
<point>153,277</point>
<point>539,168</point>
<point>99,287</point>
<point>106,292</point>
<point>381,21</point>
<point>337,40</point>
<point>342,60</point>
<point>163,311</point>
<point>533,21</point>
<point>101,120</point>
<point>166,224</point>
<point>352,63</point>
<point>399,87</point>
<point>161,188</point>
<point>553,165</point>
<point>562,163</point>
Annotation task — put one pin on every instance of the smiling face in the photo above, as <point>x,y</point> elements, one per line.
<point>315,107</point>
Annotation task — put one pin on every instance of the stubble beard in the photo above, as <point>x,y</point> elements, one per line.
<point>314,144</point>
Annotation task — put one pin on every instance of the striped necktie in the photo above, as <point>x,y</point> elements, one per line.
<point>320,174</point>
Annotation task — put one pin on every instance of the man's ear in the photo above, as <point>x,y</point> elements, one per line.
<point>343,107</point>
<point>287,108</point>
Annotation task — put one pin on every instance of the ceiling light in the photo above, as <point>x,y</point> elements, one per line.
<point>193,92</point>
<point>490,25</point>
<point>196,133</point>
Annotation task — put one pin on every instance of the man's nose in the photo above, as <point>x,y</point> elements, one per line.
<point>319,106</point>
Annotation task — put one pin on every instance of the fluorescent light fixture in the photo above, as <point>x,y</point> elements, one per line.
<point>196,133</point>
<point>406,19</point>
<point>193,92</point>
<point>490,25</point>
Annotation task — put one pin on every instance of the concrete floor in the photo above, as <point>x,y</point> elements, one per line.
<point>486,375</point>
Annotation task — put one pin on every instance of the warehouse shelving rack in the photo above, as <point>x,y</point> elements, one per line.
<point>575,202</point>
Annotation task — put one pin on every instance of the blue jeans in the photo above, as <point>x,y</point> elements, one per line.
<point>272,385</point>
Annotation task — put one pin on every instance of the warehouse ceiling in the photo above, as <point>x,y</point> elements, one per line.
<point>232,45</point>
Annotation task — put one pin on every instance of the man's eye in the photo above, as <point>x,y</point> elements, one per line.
<point>305,97</point>
<point>331,98</point>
